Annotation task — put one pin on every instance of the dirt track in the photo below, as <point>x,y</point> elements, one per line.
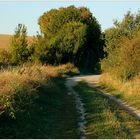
<point>93,81</point>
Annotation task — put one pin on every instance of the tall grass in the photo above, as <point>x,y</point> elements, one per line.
<point>18,86</point>
<point>129,90</point>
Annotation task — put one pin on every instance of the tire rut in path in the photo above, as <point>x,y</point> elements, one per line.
<point>79,107</point>
<point>93,81</point>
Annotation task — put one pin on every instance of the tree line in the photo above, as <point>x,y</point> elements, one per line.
<point>67,35</point>
<point>74,35</point>
<point>122,48</point>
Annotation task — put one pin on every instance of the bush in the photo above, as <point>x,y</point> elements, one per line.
<point>5,57</point>
<point>130,58</point>
<point>125,63</point>
<point>123,49</point>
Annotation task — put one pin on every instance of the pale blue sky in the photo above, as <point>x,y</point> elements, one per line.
<point>12,13</point>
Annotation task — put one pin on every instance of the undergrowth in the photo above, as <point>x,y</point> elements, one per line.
<point>19,85</point>
<point>51,115</point>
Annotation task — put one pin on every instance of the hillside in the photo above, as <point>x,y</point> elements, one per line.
<point>4,41</point>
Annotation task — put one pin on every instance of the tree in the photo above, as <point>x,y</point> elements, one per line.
<point>122,47</point>
<point>128,27</point>
<point>19,50</point>
<point>39,50</point>
<point>70,39</point>
<point>72,35</point>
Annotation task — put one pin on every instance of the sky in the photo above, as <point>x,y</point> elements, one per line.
<point>27,12</point>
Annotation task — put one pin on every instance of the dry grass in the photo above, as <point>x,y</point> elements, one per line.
<point>35,74</point>
<point>44,112</point>
<point>129,90</point>
<point>25,80</point>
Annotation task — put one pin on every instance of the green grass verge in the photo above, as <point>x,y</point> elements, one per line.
<point>51,115</point>
<point>105,119</point>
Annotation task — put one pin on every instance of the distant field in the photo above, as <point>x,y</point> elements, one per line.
<point>5,41</point>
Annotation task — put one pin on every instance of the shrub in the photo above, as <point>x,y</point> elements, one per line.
<point>122,48</point>
<point>5,57</point>
<point>130,58</point>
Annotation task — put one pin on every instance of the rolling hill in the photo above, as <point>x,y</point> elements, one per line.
<point>5,41</point>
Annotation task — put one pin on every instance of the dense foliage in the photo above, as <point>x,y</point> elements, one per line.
<point>71,35</point>
<point>67,35</point>
<point>123,48</point>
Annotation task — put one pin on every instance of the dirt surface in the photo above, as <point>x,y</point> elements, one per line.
<point>93,81</point>
<point>70,83</point>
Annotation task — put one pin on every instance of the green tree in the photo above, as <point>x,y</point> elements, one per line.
<point>122,47</point>
<point>19,50</point>
<point>72,35</point>
<point>69,40</point>
<point>128,27</point>
<point>39,50</point>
